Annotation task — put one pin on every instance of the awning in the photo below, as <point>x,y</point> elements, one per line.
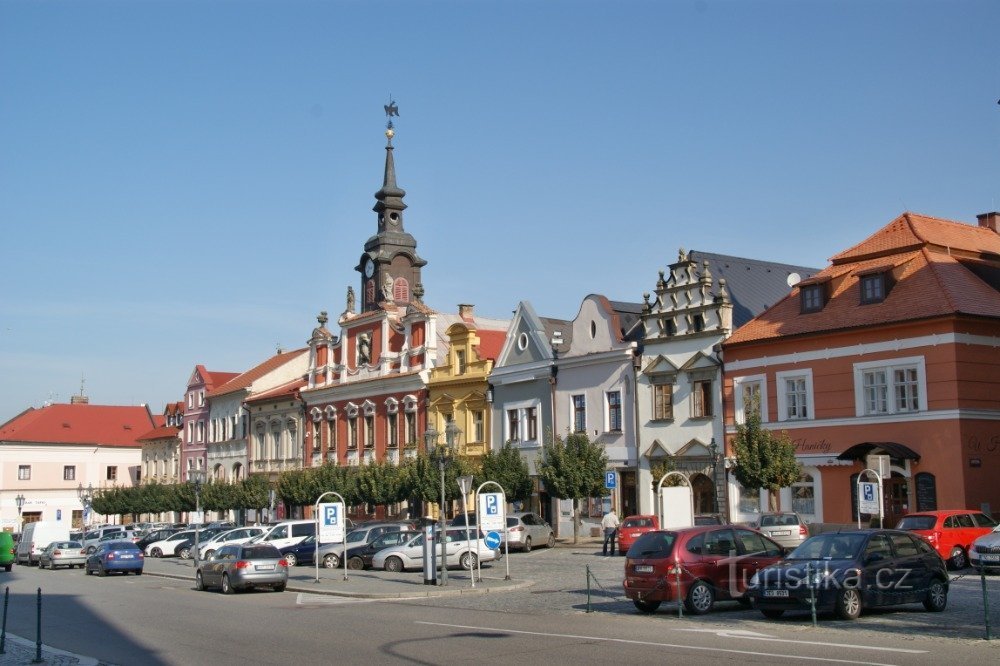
<point>859,451</point>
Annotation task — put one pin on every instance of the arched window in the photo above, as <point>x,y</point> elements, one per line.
<point>804,495</point>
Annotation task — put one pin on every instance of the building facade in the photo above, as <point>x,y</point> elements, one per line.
<point>194,438</point>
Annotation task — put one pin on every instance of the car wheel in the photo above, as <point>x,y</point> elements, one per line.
<point>184,553</point>
<point>331,561</point>
<point>527,544</point>
<point>848,604</point>
<point>355,563</point>
<point>89,572</point>
<point>551,543</point>
<point>8,567</point>
<point>700,598</point>
<point>468,561</point>
<point>937,597</point>
<point>772,613</point>
<point>156,552</point>
<point>101,571</point>
<point>646,606</point>
<point>280,587</point>
<point>957,560</point>
<point>139,572</point>
<point>41,565</point>
<point>227,587</point>
<point>199,582</point>
<point>393,564</point>
<point>291,559</point>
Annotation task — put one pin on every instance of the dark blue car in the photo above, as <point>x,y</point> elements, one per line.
<point>111,556</point>
<point>303,552</point>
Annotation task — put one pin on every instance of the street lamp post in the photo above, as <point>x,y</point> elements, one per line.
<point>19,500</point>
<point>86,496</point>
<point>443,455</point>
<point>194,476</point>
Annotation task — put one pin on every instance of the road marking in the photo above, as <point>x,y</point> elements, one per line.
<point>671,645</point>
<point>754,636</point>
<point>306,598</point>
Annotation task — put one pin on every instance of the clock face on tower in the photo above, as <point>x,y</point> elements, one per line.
<point>369,268</point>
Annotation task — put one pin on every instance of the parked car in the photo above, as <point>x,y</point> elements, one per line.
<point>849,571</point>
<point>36,537</point>
<point>110,556</point>
<point>303,552</point>
<point>227,536</point>
<point>785,527</point>
<point>158,534</point>
<point>124,535</point>
<point>8,550</point>
<point>67,554</point>
<point>634,527</point>
<point>286,533</point>
<point>951,532</point>
<point>985,551</point>
<point>242,566</point>
<point>93,535</point>
<point>362,534</point>
<point>458,550</point>
<point>526,529</point>
<point>168,547</point>
<point>185,548</point>
<point>696,565</point>
<point>710,519</point>
<point>360,557</point>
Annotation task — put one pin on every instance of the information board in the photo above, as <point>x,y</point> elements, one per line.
<point>492,515</point>
<point>331,522</point>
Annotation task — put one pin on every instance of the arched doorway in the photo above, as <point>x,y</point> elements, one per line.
<point>704,493</point>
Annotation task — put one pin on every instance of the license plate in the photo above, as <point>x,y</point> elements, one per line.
<point>643,568</point>
<point>264,567</point>
<point>990,557</point>
<point>775,593</point>
<point>127,557</point>
<point>781,533</point>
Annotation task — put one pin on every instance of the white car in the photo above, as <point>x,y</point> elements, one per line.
<point>168,547</point>
<point>459,551</point>
<point>233,536</point>
<point>985,550</point>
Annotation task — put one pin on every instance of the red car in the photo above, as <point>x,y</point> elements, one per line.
<point>634,527</point>
<point>951,532</point>
<point>697,565</point>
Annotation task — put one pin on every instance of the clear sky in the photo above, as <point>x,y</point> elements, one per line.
<point>189,183</point>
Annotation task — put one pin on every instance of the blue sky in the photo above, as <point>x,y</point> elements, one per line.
<point>189,183</point>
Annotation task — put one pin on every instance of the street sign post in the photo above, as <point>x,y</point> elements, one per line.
<point>491,512</point>
<point>610,480</point>
<point>331,522</point>
<point>868,497</point>
<point>492,540</point>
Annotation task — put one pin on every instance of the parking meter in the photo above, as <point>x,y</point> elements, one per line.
<point>430,560</point>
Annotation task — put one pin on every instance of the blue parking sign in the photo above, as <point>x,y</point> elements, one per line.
<point>610,480</point>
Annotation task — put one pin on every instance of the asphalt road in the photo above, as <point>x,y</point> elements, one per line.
<point>152,620</point>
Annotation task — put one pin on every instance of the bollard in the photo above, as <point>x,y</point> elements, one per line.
<point>812,596</point>
<point>986,602</point>
<point>3,632</point>
<point>38,640</point>
<point>588,589</point>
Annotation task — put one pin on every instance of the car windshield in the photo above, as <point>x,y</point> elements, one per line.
<point>638,522</point>
<point>356,536</point>
<point>653,545</point>
<point>261,552</point>
<point>831,546</point>
<point>917,523</point>
<point>780,519</point>
<point>122,545</point>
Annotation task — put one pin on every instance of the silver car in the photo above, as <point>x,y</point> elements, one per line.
<point>525,530</point>
<point>243,566</point>
<point>460,552</point>
<point>985,550</point>
<point>787,528</point>
<point>67,554</point>
<point>330,554</point>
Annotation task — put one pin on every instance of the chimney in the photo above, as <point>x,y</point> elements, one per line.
<point>465,311</point>
<point>989,221</point>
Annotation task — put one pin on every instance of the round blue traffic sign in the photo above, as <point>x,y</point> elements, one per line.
<point>492,540</point>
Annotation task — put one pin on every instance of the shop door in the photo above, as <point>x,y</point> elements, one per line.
<point>897,502</point>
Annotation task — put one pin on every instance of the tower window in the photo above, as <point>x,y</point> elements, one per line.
<point>401,290</point>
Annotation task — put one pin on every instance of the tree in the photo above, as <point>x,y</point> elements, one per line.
<point>661,467</point>
<point>509,469</point>
<point>574,469</point>
<point>763,460</point>
<point>380,483</point>
<point>421,479</point>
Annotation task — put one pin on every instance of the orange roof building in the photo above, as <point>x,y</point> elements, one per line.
<point>892,350</point>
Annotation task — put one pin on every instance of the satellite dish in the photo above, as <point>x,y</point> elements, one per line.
<point>793,279</point>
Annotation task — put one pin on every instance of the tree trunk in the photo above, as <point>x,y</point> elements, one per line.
<point>576,521</point>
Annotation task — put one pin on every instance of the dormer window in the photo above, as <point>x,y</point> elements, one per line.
<point>873,288</point>
<point>811,298</point>
<point>460,361</point>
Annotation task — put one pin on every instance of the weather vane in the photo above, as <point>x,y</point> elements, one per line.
<point>390,110</point>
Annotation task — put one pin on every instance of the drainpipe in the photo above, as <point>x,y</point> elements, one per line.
<point>636,367</point>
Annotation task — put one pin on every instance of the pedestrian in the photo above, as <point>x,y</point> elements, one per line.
<point>610,525</point>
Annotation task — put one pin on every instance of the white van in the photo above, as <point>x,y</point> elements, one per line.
<point>287,533</point>
<point>37,536</point>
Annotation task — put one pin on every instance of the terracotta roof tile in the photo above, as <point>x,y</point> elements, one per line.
<point>291,390</point>
<point>911,231</point>
<point>490,344</point>
<point>80,424</point>
<point>246,379</point>
<point>162,432</point>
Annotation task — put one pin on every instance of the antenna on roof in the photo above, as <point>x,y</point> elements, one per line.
<point>83,380</point>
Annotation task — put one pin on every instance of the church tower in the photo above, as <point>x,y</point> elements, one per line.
<point>390,265</point>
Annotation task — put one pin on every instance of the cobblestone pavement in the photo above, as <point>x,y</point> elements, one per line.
<point>19,651</point>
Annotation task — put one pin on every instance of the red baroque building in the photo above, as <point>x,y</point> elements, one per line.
<point>893,349</point>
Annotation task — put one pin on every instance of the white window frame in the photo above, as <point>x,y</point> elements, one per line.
<point>607,411</point>
<point>779,378</point>
<point>522,421</point>
<point>890,365</point>
<point>739,384</point>
<point>24,472</point>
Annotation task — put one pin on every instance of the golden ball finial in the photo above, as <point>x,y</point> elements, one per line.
<point>389,133</point>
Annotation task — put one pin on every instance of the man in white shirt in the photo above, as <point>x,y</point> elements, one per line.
<point>610,525</point>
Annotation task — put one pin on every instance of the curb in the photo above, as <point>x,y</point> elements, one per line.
<point>417,592</point>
